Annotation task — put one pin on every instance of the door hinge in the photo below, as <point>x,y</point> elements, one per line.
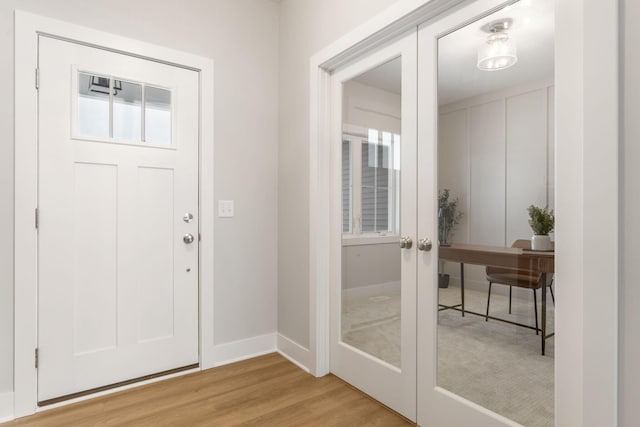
<point>37,78</point>
<point>199,237</point>
<point>37,218</point>
<point>36,358</point>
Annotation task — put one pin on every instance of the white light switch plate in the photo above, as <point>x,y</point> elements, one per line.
<point>225,208</point>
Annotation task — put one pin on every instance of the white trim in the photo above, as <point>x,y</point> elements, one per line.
<point>587,102</point>
<point>586,84</point>
<point>27,26</point>
<point>294,352</point>
<point>6,407</point>
<point>235,351</point>
<point>379,30</point>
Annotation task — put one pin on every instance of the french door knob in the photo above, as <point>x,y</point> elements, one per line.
<point>406,242</point>
<point>424,244</point>
<point>188,238</point>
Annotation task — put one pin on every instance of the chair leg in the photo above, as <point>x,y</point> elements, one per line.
<point>486,319</point>
<point>553,297</point>
<point>510,289</point>
<point>535,308</point>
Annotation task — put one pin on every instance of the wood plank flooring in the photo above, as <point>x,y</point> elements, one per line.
<point>264,391</point>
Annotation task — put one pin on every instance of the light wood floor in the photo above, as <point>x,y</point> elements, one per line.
<point>264,391</point>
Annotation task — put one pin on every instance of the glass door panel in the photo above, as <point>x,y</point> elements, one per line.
<point>492,150</point>
<point>373,290</point>
<point>371,264</point>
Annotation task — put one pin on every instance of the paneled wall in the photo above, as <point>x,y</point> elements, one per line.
<point>495,153</point>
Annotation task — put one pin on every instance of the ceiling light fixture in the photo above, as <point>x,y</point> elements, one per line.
<point>499,50</point>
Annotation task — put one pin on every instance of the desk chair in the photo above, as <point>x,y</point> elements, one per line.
<point>520,278</point>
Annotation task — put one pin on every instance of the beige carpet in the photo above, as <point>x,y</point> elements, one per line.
<point>494,364</point>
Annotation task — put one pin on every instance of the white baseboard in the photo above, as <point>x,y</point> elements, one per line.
<point>223,354</point>
<point>296,353</point>
<point>6,407</point>
<point>370,290</point>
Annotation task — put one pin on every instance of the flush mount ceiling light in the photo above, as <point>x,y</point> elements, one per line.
<point>499,50</point>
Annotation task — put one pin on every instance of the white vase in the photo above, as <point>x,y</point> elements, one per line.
<point>540,242</point>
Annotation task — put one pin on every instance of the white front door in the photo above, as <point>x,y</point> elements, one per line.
<point>373,278</point>
<point>117,218</point>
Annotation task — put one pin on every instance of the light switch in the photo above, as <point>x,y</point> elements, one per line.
<point>225,208</point>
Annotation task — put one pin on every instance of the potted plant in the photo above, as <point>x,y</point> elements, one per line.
<point>448,218</point>
<point>541,221</point>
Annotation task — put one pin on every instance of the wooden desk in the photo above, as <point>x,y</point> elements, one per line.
<point>541,262</point>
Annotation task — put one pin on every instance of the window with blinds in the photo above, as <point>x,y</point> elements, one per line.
<point>370,183</point>
<point>375,188</point>
<point>347,225</point>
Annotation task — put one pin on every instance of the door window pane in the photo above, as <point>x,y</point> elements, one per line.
<point>371,264</point>
<point>495,342</point>
<point>112,108</point>
<point>127,110</point>
<point>93,105</point>
<point>157,113</point>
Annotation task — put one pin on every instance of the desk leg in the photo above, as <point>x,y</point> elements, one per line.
<point>462,286</point>
<point>544,310</point>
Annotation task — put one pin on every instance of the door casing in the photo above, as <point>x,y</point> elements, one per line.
<point>27,28</point>
<point>586,74</point>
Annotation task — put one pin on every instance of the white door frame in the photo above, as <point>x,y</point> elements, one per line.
<point>587,205</point>
<point>27,29</point>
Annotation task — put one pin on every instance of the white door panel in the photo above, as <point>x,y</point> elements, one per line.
<point>118,287</point>
<point>497,177</point>
<point>375,272</point>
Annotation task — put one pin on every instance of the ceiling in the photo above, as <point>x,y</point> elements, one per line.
<point>458,76</point>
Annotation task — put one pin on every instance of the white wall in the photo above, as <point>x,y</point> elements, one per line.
<point>630,212</point>
<point>306,26</point>
<point>242,38</point>
<point>368,265</point>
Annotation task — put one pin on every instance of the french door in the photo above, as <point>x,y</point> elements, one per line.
<point>117,218</point>
<point>487,136</point>
<point>373,293</point>
<point>392,327</point>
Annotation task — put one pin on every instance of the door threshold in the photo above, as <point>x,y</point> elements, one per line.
<point>115,385</point>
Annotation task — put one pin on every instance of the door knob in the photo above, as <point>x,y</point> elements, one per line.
<point>188,238</point>
<point>424,244</point>
<point>406,242</point>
